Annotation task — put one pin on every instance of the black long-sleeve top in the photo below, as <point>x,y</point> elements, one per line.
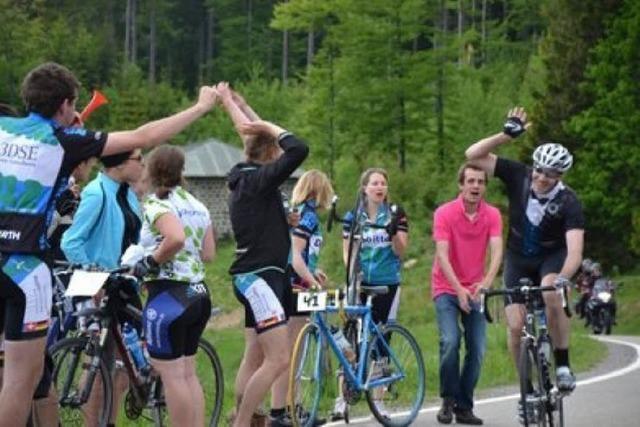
<point>258,218</point>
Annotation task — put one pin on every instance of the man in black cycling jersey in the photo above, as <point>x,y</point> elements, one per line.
<point>37,155</point>
<point>546,232</point>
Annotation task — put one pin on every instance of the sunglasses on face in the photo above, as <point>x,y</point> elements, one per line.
<point>549,173</point>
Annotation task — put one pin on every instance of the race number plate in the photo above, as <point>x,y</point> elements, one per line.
<point>85,283</point>
<point>312,301</point>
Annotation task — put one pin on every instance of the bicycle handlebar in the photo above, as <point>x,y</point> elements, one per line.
<point>332,213</point>
<point>66,265</point>
<point>526,288</point>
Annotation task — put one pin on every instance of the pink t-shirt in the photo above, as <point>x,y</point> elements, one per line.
<point>468,241</point>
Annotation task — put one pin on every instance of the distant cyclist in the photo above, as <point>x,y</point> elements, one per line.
<point>546,232</point>
<point>584,284</point>
<point>380,254</point>
<point>39,153</point>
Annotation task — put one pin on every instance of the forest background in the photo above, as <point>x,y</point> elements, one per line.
<point>402,84</point>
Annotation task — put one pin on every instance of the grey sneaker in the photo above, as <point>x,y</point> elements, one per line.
<point>339,409</point>
<point>565,379</point>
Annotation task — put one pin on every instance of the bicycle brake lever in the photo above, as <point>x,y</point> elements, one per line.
<point>483,306</point>
<point>565,303</point>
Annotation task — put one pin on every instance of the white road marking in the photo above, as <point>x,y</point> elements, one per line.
<point>604,377</point>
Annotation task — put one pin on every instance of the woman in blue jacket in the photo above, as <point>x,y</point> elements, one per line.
<point>107,221</point>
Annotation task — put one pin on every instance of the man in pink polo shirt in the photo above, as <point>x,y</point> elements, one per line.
<point>462,230</point>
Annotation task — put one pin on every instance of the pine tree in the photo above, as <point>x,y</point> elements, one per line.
<point>608,159</point>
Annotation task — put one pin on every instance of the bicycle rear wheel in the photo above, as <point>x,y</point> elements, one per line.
<point>395,354</point>
<point>531,387</point>
<point>210,376</point>
<point>72,359</point>
<point>305,376</point>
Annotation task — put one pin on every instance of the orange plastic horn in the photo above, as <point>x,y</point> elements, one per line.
<point>97,100</point>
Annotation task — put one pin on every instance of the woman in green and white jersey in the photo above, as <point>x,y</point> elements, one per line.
<point>178,306</point>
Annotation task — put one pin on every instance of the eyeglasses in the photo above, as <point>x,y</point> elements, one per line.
<point>138,158</point>
<point>549,173</point>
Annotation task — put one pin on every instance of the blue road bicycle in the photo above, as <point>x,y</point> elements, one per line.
<point>388,366</point>
<point>385,362</point>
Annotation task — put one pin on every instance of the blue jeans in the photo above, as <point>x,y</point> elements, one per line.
<point>455,384</point>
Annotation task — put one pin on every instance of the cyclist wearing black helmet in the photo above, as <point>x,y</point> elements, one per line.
<point>546,231</point>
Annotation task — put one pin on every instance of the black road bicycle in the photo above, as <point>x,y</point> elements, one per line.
<point>83,364</point>
<point>542,401</point>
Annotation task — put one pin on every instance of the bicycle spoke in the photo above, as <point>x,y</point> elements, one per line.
<point>398,402</point>
<point>71,370</point>
<point>305,377</point>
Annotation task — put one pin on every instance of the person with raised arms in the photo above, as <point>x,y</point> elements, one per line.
<point>260,278</point>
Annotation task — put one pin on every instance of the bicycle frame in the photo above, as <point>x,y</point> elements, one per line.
<point>353,272</point>
<point>535,316</point>
<point>64,317</point>
<point>356,377</point>
<point>534,332</point>
<point>357,228</point>
<point>107,317</point>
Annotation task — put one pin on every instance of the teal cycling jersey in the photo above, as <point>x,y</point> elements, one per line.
<point>308,229</point>
<point>378,263</point>
<point>37,156</point>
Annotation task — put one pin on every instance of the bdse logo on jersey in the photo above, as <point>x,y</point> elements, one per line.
<point>10,152</point>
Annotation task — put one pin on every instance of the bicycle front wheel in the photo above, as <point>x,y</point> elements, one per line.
<point>531,387</point>
<point>305,376</point>
<point>72,359</point>
<point>209,373</point>
<point>395,354</point>
<point>555,413</point>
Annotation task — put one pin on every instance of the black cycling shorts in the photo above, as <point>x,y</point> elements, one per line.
<point>26,296</point>
<point>518,266</point>
<point>266,297</point>
<point>384,308</point>
<point>175,317</point>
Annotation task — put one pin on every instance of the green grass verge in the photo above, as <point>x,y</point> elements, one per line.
<point>628,297</point>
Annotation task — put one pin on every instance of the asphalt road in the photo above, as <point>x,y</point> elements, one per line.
<point>609,395</point>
